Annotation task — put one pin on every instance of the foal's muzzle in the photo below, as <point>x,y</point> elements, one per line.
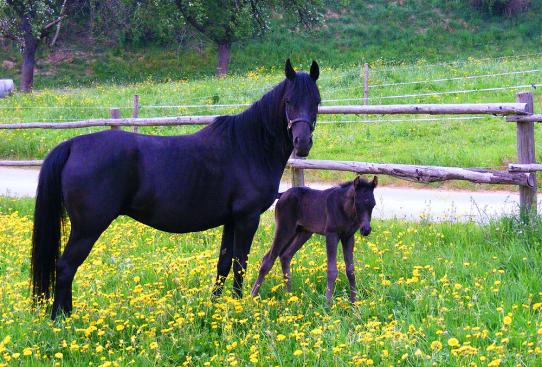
<point>365,230</point>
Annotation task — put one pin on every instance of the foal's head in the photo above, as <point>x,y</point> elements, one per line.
<point>301,99</point>
<point>360,201</point>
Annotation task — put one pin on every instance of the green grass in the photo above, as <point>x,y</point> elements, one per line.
<point>142,297</point>
<point>486,142</point>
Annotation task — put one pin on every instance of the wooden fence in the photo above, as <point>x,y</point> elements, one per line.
<point>521,173</point>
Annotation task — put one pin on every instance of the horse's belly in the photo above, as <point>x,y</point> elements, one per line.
<point>179,222</point>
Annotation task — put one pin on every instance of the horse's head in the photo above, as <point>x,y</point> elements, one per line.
<point>301,100</point>
<point>360,201</point>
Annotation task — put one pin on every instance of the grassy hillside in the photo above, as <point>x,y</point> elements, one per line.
<point>389,32</point>
<point>469,141</point>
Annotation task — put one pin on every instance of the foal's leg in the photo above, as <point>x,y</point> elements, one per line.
<point>284,235</point>
<point>244,230</point>
<point>332,241</point>
<point>224,259</point>
<point>289,252</point>
<point>348,252</point>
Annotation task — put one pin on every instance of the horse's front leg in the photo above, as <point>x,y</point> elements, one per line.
<point>224,259</point>
<point>244,230</point>
<point>348,252</point>
<point>332,240</point>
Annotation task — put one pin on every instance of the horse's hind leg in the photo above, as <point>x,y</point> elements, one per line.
<point>289,252</point>
<point>85,232</point>
<point>224,259</point>
<point>284,235</point>
<point>77,250</point>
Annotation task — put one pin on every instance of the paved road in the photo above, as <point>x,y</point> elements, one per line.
<point>404,203</point>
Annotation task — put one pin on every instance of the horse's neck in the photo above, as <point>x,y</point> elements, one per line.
<point>270,128</point>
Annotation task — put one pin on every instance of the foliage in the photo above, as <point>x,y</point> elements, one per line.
<point>40,13</point>
<point>230,21</point>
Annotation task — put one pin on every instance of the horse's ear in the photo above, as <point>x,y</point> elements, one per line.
<point>289,70</point>
<point>315,70</point>
<point>374,183</point>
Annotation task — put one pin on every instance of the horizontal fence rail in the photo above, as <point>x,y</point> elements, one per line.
<point>418,173</point>
<point>404,171</point>
<point>503,109</point>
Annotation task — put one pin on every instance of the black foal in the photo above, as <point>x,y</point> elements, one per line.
<point>336,213</point>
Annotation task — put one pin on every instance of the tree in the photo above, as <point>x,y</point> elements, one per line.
<point>228,21</point>
<point>28,22</point>
<point>506,7</point>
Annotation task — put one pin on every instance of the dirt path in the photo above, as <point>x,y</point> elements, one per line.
<point>403,203</point>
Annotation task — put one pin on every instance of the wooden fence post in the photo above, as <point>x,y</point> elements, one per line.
<point>298,174</point>
<point>526,154</point>
<point>135,112</point>
<point>366,84</point>
<point>115,114</point>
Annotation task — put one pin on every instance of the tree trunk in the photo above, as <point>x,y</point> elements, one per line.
<point>29,57</point>
<point>224,54</point>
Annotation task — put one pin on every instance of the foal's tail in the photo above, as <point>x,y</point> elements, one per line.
<point>48,217</point>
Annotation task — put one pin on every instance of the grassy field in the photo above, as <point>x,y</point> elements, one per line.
<point>446,140</point>
<point>431,295</point>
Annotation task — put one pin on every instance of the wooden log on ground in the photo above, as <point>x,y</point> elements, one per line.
<point>430,109</point>
<point>21,163</point>
<point>519,118</point>
<point>419,173</point>
<point>155,121</point>
<point>518,167</point>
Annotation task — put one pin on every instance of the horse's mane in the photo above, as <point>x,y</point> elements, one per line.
<point>263,123</point>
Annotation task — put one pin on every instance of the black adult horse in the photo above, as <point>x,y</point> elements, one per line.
<point>225,174</point>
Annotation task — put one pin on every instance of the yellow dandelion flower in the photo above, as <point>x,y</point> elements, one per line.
<point>298,352</point>
<point>27,351</point>
<point>507,320</point>
<point>153,345</point>
<point>281,337</point>
<point>494,363</point>
<point>436,345</point>
<point>59,355</point>
<point>453,342</point>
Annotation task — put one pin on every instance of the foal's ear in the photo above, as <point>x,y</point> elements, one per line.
<point>350,201</point>
<point>374,182</point>
<point>289,70</point>
<point>357,183</point>
<point>315,70</point>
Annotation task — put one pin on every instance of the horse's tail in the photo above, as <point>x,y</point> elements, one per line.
<point>48,217</point>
